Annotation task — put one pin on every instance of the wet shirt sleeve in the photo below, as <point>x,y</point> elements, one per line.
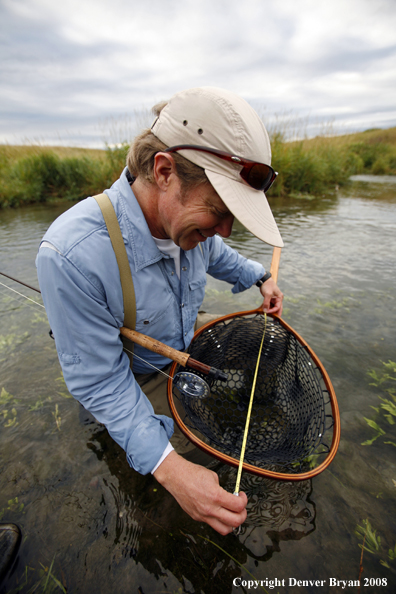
<point>95,368</point>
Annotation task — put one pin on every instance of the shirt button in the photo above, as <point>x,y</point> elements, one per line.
<point>184,268</point>
<point>172,273</point>
<point>182,305</point>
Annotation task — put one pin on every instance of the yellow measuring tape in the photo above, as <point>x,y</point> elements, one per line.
<point>236,491</point>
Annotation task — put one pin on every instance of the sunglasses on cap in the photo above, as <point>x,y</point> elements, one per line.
<point>258,175</point>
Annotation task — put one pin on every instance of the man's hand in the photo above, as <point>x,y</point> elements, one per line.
<point>198,492</point>
<point>273,297</point>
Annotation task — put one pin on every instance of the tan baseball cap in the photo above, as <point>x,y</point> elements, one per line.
<point>218,119</point>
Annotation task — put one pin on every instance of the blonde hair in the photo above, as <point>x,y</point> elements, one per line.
<point>140,159</point>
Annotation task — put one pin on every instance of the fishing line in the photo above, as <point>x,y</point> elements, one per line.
<point>20,282</point>
<point>36,303</point>
<point>21,294</point>
<point>188,383</point>
<point>148,363</point>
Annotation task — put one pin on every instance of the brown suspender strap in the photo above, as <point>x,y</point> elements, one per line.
<point>128,291</point>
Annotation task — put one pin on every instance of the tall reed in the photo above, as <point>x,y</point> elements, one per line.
<point>318,165</point>
<point>311,166</point>
<point>43,175</point>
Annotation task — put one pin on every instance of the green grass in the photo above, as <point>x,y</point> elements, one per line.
<point>309,167</point>
<point>319,165</point>
<point>31,174</point>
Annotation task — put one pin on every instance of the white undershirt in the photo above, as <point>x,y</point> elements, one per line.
<point>168,247</point>
<point>167,450</point>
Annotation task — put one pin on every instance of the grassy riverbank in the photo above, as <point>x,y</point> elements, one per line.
<point>318,165</point>
<point>30,174</point>
<point>314,166</point>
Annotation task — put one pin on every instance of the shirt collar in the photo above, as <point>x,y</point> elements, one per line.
<point>144,249</point>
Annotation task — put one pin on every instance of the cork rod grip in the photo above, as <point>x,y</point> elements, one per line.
<point>155,345</point>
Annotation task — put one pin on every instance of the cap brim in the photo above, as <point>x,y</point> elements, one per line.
<point>247,205</point>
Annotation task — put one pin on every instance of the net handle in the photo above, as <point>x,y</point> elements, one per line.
<point>274,269</point>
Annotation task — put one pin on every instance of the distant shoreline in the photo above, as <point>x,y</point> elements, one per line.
<point>318,166</point>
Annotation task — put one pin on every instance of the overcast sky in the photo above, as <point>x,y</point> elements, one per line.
<point>85,72</point>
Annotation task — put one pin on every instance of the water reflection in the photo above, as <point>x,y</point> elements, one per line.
<point>147,525</point>
<point>374,179</point>
<point>109,529</point>
<point>277,511</point>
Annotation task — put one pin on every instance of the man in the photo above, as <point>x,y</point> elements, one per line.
<point>205,160</point>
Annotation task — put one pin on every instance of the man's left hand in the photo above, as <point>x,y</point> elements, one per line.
<point>273,297</point>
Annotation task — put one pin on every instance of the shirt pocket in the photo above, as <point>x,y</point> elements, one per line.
<point>197,293</point>
<point>157,315</point>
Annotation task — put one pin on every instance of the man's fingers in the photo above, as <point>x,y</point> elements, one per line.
<point>231,511</point>
<point>235,503</point>
<point>277,308</point>
<point>273,297</point>
<point>198,492</point>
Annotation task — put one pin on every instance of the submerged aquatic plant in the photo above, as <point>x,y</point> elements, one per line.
<point>39,403</point>
<point>63,391</point>
<point>43,581</point>
<point>9,412</point>
<point>57,417</point>
<point>13,506</point>
<point>371,542</point>
<point>387,408</point>
<point>333,305</point>
<point>7,409</point>
<point>9,342</point>
<point>391,557</point>
<point>234,560</point>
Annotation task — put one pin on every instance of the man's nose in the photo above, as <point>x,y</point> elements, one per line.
<point>224,228</point>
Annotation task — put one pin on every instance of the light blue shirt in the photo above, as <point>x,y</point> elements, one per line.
<point>80,284</point>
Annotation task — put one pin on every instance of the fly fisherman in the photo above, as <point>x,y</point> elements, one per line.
<point>172,204</point>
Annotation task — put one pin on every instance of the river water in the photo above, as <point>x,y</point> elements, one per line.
<point>90,524</point>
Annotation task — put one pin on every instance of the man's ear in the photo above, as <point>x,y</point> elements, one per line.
<point>164,169</point>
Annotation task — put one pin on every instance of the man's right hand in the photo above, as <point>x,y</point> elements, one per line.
<point>198,492</point>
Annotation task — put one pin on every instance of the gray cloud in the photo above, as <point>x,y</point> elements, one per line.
<point>67,67</point>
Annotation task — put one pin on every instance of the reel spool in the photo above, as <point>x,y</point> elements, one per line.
<point>191,385</point>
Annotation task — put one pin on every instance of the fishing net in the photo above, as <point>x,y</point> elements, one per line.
<point>291,408</point>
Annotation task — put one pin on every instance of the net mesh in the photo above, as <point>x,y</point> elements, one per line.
<point>289,410</point>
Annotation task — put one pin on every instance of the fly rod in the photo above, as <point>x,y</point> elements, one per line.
<point>154,345</point>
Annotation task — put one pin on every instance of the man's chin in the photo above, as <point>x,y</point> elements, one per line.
<point>189,243</point>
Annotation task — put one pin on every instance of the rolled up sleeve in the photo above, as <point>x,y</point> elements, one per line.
<point>95,368</point>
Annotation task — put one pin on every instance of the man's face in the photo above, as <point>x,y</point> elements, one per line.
<point>190,217</point>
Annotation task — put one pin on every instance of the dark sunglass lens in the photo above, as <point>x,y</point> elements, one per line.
<point>259,176</point>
